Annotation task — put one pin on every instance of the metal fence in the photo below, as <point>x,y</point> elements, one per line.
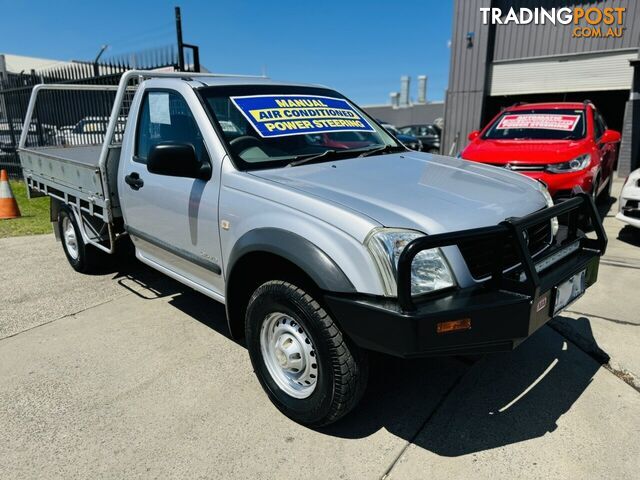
<point>61,120</point>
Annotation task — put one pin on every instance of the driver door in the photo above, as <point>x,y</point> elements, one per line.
<point>172,220</point>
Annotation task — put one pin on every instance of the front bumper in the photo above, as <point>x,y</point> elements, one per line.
<point>501,312</point>
<point>561,185</point>
<point>630,203</point>
<point>626,218</point>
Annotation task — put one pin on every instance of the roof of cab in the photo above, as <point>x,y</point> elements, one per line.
<point>214,81</point>
<point>548,105</point>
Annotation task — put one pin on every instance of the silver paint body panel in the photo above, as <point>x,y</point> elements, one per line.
<point>334,205</point>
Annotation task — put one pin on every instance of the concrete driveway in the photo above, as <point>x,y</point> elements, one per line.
<point>129,374</point>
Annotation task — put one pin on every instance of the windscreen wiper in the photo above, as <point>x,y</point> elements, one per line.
<point>302,159</point>
<point>383,149</point>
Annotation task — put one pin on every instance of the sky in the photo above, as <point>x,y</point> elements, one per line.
<point>358,47</point>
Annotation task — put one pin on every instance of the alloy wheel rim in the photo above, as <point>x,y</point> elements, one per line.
<point>289,355</point>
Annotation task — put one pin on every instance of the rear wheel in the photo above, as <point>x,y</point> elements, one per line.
<point>82,257</point>
<point>310,371</point>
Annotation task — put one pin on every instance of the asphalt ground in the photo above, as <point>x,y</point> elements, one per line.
<point>129,374</point>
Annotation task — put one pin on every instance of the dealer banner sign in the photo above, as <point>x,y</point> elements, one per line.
<point>565,123</point>
<point>282,115</point>
<point>593,22</point>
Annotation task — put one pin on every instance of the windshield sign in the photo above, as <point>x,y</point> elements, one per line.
<point>565,123</point>
<point>538,124</point>
<point>283,115</point>
<point>271,126</point>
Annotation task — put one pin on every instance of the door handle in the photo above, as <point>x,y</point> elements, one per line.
<point>134,181</point>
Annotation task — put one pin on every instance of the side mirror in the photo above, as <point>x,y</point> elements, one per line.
<point>610,136</point>
<point>473,135</point>
<point>177,160</point>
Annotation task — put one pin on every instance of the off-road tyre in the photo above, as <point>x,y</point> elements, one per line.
<point>342,367</point>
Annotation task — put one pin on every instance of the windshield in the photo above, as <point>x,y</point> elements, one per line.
<point>538,124</point>
<point>266,126</point>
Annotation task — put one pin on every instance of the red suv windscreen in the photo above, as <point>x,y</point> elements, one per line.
<point>538,124</point>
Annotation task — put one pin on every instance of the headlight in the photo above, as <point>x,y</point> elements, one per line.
<point>429,270</point>
<point>549,200</point>
<point>575,165</point>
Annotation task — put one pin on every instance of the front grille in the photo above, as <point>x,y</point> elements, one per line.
<point>631,209</point>
<point>520,167</point>
<point>480,254</point>
<point>526,167</point>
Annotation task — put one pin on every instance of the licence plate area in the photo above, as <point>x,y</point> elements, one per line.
<point>569,291</point>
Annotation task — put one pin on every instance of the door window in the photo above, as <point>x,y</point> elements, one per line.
<point>165,117</point>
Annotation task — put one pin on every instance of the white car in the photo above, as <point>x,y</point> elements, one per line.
<point>630,200</point>
<point>89,131</point>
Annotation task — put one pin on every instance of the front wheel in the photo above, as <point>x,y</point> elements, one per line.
<point>310,371</point>
<point>605,196</point>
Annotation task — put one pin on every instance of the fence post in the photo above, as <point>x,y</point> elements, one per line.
<point>12,133</point>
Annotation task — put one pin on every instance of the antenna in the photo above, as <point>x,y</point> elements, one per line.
<point>179,37</point>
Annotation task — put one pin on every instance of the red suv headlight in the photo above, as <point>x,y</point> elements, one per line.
<point>574,165</point>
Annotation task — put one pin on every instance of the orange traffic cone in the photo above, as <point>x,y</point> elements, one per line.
<point>8,205</point>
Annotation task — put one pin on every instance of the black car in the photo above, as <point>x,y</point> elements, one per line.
<point>407,140</point>
<point>428,134</point>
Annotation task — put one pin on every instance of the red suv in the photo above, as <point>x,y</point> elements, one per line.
<point>562,144</point>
